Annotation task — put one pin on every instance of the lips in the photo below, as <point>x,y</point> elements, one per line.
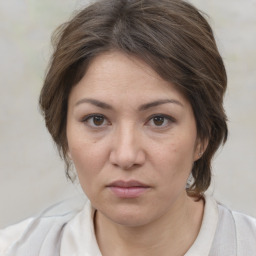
<point>128,189</point>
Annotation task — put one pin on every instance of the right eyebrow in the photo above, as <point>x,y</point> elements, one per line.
<point>94,102</point>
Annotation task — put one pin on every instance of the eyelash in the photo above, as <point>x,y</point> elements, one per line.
<point>167,118</point>
<point>87,119</point>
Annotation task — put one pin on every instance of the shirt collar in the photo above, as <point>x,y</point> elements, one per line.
<point>79,236</point>
<point>204,240</point>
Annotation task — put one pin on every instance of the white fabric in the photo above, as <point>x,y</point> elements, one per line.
<point>204,240</point>
<point>71,233</point>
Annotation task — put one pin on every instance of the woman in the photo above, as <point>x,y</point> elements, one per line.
<point>133,98</point>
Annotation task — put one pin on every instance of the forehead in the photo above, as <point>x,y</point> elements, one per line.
<point>114,76</point>
<point>119,67</point>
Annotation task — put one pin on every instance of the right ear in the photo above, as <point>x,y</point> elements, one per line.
<point>200,149</point>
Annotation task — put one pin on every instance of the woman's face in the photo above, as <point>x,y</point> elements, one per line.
<point>133,140</point>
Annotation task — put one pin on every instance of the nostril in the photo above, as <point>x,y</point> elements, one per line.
<point>128,161</point>
<point>127,149</point>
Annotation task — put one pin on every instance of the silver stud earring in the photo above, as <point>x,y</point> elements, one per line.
<point>190,181</point>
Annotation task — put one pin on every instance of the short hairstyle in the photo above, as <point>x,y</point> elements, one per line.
<point>171,36</point>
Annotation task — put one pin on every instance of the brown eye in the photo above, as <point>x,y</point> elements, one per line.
<point>98,120</point>
<point>95,120</point>
<point>158,120</point>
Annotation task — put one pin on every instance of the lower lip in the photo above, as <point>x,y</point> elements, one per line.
<point>130,192</point>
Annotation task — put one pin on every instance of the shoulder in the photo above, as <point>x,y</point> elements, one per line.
<point>238,230</point>
<point>11,234</point>
<point>242,222</point>
<point>245,222</point>
<point>31,233</point>
<point>245,233</point>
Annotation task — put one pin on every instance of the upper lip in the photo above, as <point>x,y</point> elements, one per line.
<point>127,184</point>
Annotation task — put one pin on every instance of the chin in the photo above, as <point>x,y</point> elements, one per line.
<point>130,215</point>
<point>132,221</point>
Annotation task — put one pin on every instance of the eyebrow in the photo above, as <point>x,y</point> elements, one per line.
<point>159,102</point>
<point>143,107</point>
<point>97,103</point>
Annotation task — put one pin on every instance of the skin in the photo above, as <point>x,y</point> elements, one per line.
<point>115,134</point>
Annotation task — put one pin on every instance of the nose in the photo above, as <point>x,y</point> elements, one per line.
<point>127,150</point>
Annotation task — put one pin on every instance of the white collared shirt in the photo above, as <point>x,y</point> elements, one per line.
<point>71,233</point>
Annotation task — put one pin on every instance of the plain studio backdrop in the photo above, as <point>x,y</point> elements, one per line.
<point>31,173</point>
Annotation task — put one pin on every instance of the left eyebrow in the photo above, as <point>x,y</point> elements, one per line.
<point>159,102</point>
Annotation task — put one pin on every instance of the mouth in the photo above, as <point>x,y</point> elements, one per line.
<point>128,189</point>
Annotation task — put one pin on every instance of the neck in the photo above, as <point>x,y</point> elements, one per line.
<point>172,234</point>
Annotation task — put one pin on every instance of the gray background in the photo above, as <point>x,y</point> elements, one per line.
<point>31,173</point>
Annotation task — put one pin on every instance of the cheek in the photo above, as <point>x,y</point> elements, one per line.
<point>88,159</point>
<point>174,160</point>
<point>83,150</point>
<point>179,152</point>
<point>83,157</point>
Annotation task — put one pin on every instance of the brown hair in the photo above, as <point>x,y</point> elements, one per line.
<point>171,36</point>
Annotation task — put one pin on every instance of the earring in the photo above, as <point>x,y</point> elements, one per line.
<point>190,181</point>
<point>200,154</point>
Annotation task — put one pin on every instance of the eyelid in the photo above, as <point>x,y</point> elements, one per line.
<point>162,115</point>
<point>86,119</point>
<point>168,117</point>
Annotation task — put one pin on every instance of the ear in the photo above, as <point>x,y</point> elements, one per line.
<point>200,147</point>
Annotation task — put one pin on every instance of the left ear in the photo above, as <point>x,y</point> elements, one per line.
<point>200,148</point>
